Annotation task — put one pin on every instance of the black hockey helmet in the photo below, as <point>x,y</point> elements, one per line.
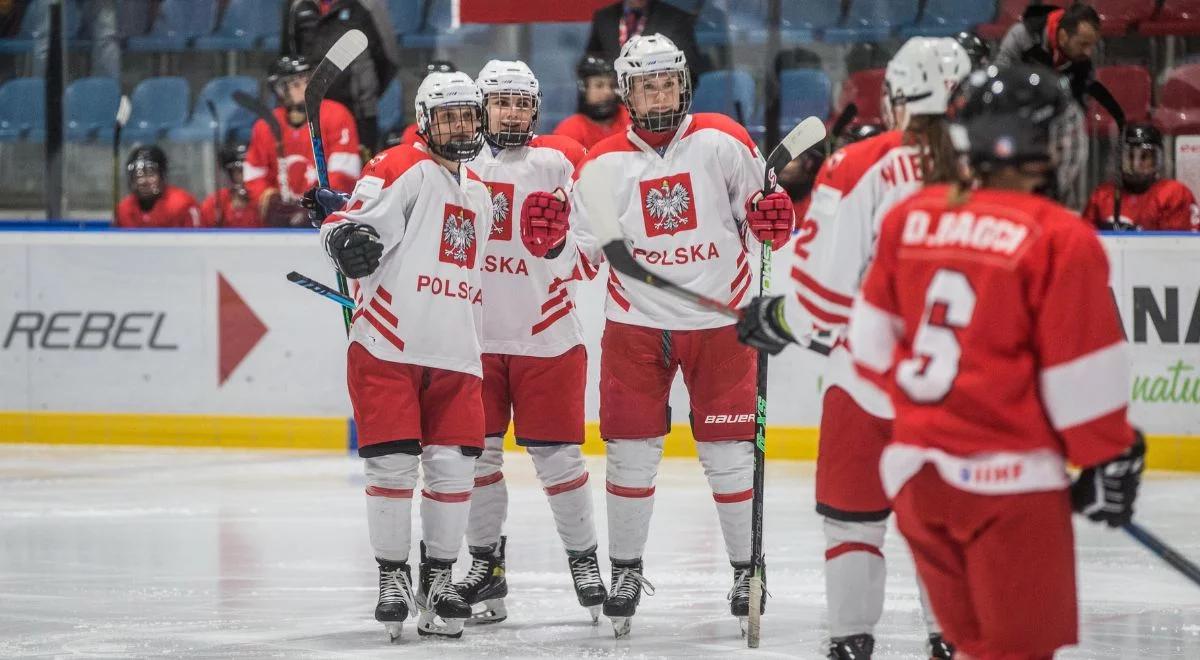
<point>440,66</point>
<point>1017,115</point>
<point>232,155</point>
<point>977,49</point>
<point>589,67</point>
<point>1138,140</point>
<point>594,65</point>
<point>146,158</point>
<point>286,67</point>
<point>859,132</point>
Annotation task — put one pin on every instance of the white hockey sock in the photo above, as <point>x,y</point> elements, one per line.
<point>729,466</point>
<point>390,483</point>
<point>854,575</point>
<point>564,477</point>
<point>631,468</point>
<point>445,500</point>
<point>489,499</point>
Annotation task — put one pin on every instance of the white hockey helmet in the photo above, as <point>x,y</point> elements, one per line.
<point>921,76</point>
<point>512,81</point>
<point>647,55</point>
<point>440,89</point>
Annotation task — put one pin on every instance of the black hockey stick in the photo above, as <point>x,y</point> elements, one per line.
<point>220,208</point>
<point>1098,91</point>
<point>124,109</point>
<point>1164,551</point>
<point>843,121</point>
<point>263,112</point>
<point>320,289</point>
<point>349,46</point>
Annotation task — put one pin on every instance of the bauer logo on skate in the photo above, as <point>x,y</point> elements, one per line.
<point>729,419</point>
<point>668,204</point>
<point>444,286</point>
<point>458,237</point>
<point>678,256</point>
<point>502,203</point>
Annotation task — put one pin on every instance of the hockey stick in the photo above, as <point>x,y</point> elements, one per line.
<point>843,121</point>
<point>320,289</point>
<point>1164,551</point>
<point>1105,98</point>
<point>349,46</point>
<point>220,208</point>
<point>124,109</point>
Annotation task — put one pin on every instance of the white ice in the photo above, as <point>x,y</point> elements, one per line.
<point>137,552</point>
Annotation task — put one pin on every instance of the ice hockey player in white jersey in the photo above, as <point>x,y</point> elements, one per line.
<point>686,188</point>
<point>534,361</point>
<point>412,238</point>
<point>855,187</point>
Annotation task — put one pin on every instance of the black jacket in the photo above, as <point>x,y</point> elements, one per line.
<point>1026,42</point>
<point>661,18</point>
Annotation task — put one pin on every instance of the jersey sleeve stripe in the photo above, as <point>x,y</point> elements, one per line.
<point>821,314</point>
<point>385,313</point>
<point>542,325</point>
<point>812,285</point>
<point>872,336</point>
<point>383,330</point>
<point>553,302</point>
<point>1087,387</point>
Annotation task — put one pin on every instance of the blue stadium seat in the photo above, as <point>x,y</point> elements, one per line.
<point>391,110</point>
<point>802,22</point>
<point>133,18</point>
<point>945,18</point>
<point>729,92</point>
<point>803,93</point>
<point>159,104</point>
<point>23,110</point>
<point>559,47</point>
<point>405,15</point>
<point>177,24</point>
<point>231,116</point>
<point>873,20</point>
<point>436,30</point>
<point>244,25</point>
<point>722,22</point>
<point>34,25</point>
<point>91,108</point>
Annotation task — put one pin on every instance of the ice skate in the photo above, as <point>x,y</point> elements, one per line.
<point>484,587</point>
<point>622,602</point>
<point>739,594</point>
<point>396,600</point>
<point>852,647</point>
<point>443,610</point>
<point>589,587</point>
<point>939,648</point>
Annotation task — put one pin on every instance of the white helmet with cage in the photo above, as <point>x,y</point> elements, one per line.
<point>511,85</point>
<point>439,90</point>
<point>650,57</point>
<point>921,77</point>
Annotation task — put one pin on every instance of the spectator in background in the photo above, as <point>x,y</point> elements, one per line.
<point>99,18</point>
<point>615,24</point>
<point>1061,39</point>
<point>151,202</point>
<point>599,113</point>
<point>230,206</point>
<point>1147,202</point>
<point>311,27</point>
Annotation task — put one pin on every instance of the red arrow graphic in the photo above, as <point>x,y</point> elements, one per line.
<point>238,329</point>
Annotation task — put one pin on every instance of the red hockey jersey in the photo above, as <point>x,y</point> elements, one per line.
<point>991,326</point>
<point>243,218</point>
<point>262,169</point>
<point>1167,205</point>
<point>175,208</point>
<point>588,132</point>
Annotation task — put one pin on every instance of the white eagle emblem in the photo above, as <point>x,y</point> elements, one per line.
<point>668,206</point>
<point>500,207</point>
<point>458,235</point>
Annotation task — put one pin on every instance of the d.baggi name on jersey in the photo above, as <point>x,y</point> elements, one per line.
<point>458,237</point>
<point>502,209</point>
<point>668,204</point>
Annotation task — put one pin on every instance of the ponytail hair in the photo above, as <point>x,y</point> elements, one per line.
<point>930,133</point>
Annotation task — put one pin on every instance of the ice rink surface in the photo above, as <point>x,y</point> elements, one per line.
<point>139,552</point>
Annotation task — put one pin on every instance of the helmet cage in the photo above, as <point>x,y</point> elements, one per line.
<point>518,134</point>
<point>435,123</point>
<point>633,91</point>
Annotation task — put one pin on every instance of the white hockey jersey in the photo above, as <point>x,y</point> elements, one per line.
<point>422,305</point>
<point>684,213</point>
<point>835,243</point>
<point>529,303</point>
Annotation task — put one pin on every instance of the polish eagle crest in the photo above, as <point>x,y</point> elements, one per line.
<point>668,205</point>
<point>458,235</point>
<point>500,208</point>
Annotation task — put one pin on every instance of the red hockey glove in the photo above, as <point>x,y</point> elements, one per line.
<point>771,218</point>
<point>545,218</point>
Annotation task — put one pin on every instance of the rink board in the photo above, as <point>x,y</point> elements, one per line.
<point>196,339</point>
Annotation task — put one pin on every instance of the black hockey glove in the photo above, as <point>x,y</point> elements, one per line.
<point>320,202</point>
<point>1105,492</point>
<point>355,248</point>
<point>762,325</point>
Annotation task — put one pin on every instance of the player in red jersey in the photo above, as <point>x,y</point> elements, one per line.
<point>277,174</point>
<point>152,202</point>
<point>230,206</point>
<point>1147,201</point>
<point>600,113</point>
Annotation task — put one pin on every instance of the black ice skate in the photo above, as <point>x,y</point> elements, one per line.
<point>939,648</point>
<point>853,647</point>
<point>589,587</point>
<point>484,588</point>
<point>622,602</point>
<point>739,595</point>
<point>443,609</point>
<point>396,600</point>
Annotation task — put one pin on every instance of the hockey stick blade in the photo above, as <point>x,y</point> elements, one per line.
<point>124,109</point>
<point>260,110</point>
<point>320,289</point>
<point>596,190</point>
<point>805,135</point>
